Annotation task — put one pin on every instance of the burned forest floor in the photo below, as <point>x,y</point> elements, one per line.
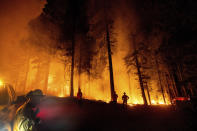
<point>66,114</point>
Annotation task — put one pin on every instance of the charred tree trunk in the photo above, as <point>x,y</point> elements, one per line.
<point>72,66</point>
<point>139,72</point>
<point>176,82</point>
<point>169,90</point>
<point>159,77</point>
<point>148,92</point>
<point>73,50</point>
<point>79,68</point>
<point>181,79</point>
<point>110,62</point>
<point>172,82</point>
<point>106,6</point>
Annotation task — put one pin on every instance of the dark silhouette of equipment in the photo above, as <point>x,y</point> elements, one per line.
<point>26,115</point>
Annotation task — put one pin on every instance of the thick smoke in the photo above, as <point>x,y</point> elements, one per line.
<point>42,50</point>
<point>14,18</point>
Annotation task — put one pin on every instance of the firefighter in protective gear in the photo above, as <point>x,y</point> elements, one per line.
<point>25,119</point>
<point>79,97</point>
<point>125,99</point>
<point>115,97</point>
<point>79,94</point>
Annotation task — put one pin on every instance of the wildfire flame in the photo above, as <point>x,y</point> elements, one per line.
<point>40,69</point>
<point>1,83</point>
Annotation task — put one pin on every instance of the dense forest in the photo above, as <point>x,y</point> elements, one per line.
<point>108,47</point>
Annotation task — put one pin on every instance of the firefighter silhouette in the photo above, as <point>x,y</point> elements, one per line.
<point>125,99</point>
<point>79,94</point>
<point>114,97</point>
<point>79,97</point>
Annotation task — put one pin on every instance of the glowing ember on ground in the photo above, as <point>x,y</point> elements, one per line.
<point>160,102</point>
<point>61,95</point>
<point>136,102</point>
<point>153,102</point>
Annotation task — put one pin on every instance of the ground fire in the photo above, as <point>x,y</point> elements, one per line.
<point>134,58</point>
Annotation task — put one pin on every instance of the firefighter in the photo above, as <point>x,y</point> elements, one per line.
<point>26,114</point>
<point>115,97</point>
<point>125,99</point>
<point>79,96</point>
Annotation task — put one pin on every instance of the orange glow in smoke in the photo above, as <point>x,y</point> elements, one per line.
<point>95,89</point>
<point>33,72</point>
<point>1,83</point>
<point>61,95</point>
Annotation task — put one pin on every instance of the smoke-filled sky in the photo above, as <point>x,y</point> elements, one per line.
<point>14,17</point>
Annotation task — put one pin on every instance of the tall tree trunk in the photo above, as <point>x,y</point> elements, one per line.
<point>72,67</point>
<point>159,77</point>
<point>79,69</point>
<point>176,82</point>
<point>169,90</point>
<point>181,79</point>
<point>106,6</point>
<point>172,81</point>
<point>139,72</point>
<point>110,62</point>
<point>75,6</point>
<point>148,92</point>
<point>73,52</point>
<point>173,85</point>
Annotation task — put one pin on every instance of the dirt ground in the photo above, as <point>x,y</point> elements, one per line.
<point>65,114</point>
